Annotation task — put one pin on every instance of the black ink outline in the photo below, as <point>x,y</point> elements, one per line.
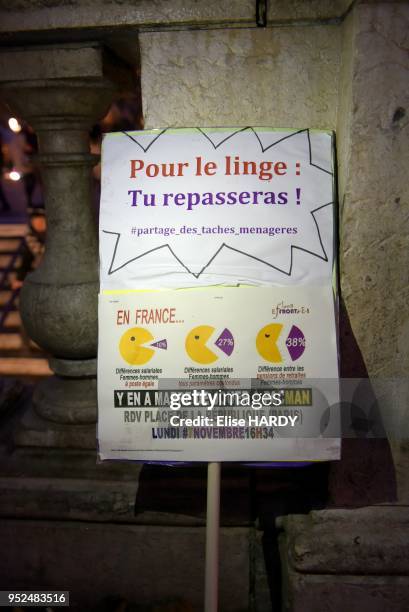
<point>150,144</point>
<point>216,146</point>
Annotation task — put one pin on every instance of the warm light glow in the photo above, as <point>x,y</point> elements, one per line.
<point>14,175</point>
<point>15,126</point>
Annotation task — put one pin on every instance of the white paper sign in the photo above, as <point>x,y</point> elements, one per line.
<point>193,207</point>
<point>216,268</point>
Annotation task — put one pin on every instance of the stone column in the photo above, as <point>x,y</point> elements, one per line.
<point>61,90</point>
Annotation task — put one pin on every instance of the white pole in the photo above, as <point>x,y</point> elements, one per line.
<point>212,538</point>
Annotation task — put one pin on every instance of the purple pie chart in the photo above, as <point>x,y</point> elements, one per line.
<point>295,343</point>
<point>225,342</point>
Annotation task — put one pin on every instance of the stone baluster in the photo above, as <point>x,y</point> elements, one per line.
<point>61,90</point>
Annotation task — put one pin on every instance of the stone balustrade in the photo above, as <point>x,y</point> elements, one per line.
<point>61,90</point>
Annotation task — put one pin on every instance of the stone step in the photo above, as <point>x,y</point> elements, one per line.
<point>13,319</point>
<point>13,230</point>
<point>9,245</point>
<point>5,296</point>
<point>11,342</point>
<point>24,366</point>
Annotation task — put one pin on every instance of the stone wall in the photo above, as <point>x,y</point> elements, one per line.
<point>283,77</point>
<point>373,132</point>
<point>350,76</point>
<point>373,128</point>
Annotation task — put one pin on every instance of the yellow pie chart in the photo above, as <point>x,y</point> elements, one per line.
<point>131,349</point>
<point>266,342</point>
<point>195,344</point>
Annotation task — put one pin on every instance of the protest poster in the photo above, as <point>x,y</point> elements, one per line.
<point>217,265</point>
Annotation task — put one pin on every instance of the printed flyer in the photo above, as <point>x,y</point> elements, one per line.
<point>217,333</point>
<point>160,349</point>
